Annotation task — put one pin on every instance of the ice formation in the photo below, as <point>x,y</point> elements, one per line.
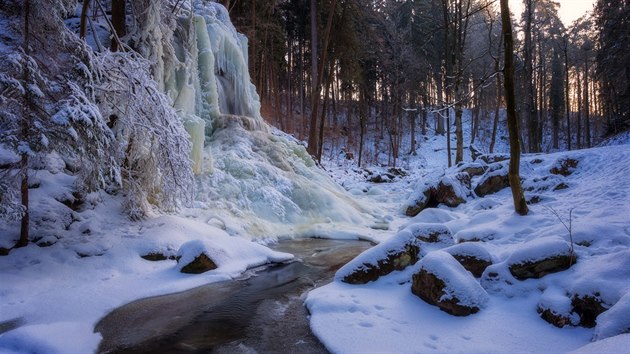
<point>207,76</point>
<point>251,181</point>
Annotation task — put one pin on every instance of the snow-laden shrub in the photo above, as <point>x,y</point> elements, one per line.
<point>152,147</point>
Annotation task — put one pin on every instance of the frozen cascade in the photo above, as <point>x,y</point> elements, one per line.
<point>251,181</point>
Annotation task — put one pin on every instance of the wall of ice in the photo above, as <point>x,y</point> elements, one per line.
<point>250,181</point>
<point>208,76</point>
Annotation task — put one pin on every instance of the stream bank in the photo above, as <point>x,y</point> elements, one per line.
<point>262,313</point>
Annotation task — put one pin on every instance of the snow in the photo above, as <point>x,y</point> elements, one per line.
<point>614,321</point>
<point>259,184</point>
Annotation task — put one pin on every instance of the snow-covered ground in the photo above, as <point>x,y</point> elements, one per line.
<point>384,315</point>
<point>87,263</point>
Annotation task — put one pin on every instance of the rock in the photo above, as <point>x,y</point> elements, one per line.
<point>555,319</point>
<point>492,158</point>
<point>588,307</point>
<point>398,171</point>
<point>472,169</point>
<point>475,152</point>
<point>383,178</point>
<point>564,167</point>
<point>420,203</point>
<point>494,180</point>
<point>396,253</point>
<point>555,307</point>
<point>472,256</point>
<point>450,190</point>
<point>199,265</point>
<point>560,186</point>
<point>393,261</point>
<point>431,233</point>
<point>443,282</point>
<point>540,257</point>
<point>193,258</point>
<point>542,267</point>
<point>156,256</point>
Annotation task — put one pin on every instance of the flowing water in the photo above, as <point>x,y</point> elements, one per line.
<point>263,313</point>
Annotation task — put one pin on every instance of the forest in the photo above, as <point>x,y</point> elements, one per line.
<point>389,67</point>
<point>320,176</point>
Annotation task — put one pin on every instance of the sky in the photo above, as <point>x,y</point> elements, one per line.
<point>570,10</point>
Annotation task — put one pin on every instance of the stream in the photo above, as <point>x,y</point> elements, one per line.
<point>262,313</point>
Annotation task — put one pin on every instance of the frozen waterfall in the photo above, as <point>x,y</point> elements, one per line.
<point>208,79</point>
<point>251,181</point>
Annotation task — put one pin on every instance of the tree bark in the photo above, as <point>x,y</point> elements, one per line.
<point>119,22</point>
<point>84,14</point>
<point>25,222</point>
<point>520,206</point>
<point>566,92</point>
<point>317,84</point>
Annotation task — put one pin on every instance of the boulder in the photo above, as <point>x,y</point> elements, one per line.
<point>200,264</point>
<point>540,257</point>
<point>394,260</point>
<point>193,258</point>
<point>443,282</point>
<point>472,256</point>
<point>397,253</point>
<point>564,167</point>
<point>494,180</point>
<point>450,190</point>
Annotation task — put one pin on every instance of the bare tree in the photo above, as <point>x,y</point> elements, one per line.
<point>515,147</point>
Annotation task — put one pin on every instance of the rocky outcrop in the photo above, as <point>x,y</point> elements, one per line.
<point>193,257</point>
<point>443,282</point>
<point>492,158</point>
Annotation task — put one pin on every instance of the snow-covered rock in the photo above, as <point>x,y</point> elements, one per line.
<point>540,257</point>
<point>473,256</point>
<point>396,253</point>
<point>443,282</point>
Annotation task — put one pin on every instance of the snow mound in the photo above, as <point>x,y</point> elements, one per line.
<point>615,321</point>
<point>616,344</point>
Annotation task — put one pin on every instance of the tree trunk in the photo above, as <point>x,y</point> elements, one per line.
<point>532,116</point>
<point>25,222</point>
<point>495,123</point>
<point>587,106</point>
<point>312,136</point>
<point>84,14</point>
<point>566,92</point>
<point>520,206</point>
<point>119,22</point>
